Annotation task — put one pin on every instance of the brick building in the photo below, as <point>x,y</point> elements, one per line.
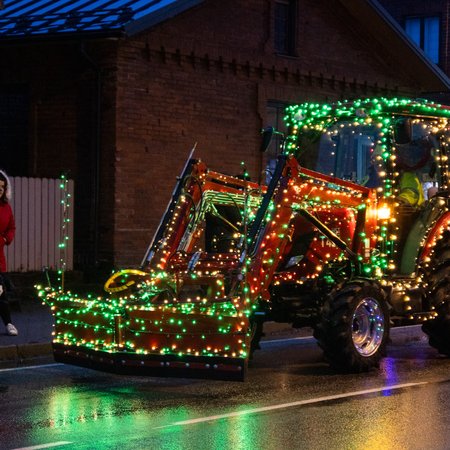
<point>117,96</point>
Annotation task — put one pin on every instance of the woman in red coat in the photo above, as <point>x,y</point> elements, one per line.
<point>7,231</point>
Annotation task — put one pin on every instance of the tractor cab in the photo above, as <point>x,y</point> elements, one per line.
<point>399,157</point>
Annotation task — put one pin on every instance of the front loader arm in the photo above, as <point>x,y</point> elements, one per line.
<point>293,190</point>
<point>168,215</point>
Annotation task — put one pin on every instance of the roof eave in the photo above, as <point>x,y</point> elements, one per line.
<point>157,17</point>
<point>69,36</point>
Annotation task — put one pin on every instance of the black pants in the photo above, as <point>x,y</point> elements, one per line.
<point>5,312</point>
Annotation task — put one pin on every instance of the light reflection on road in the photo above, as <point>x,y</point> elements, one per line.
<point>302,406</point>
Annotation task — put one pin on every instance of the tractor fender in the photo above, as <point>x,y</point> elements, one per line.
<point>434,235</point>
<point>432,220</point>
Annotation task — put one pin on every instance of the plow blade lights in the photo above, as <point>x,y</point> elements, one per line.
<point>220,368</point>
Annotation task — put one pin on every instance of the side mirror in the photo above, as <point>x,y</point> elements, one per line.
<point>403,130</point>
<point>267,135</point>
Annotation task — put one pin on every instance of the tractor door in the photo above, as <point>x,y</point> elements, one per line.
<point>419,184</point>
<point>343,151</point>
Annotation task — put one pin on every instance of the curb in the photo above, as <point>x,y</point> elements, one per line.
<point>398,335</point>
<point>408,334</point>
<point>17,355</point>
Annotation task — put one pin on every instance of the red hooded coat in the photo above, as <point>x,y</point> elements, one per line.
<point>7,231</point>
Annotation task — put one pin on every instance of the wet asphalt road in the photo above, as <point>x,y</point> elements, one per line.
<point>291,400</point>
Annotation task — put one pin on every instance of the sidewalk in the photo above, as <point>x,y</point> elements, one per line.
<point>34,323</point>
<point>33,319</point>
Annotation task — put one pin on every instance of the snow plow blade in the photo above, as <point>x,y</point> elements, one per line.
<point>198,342</point>
<point>217,368</point>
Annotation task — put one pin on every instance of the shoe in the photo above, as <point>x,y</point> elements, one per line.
<point>11,330</point>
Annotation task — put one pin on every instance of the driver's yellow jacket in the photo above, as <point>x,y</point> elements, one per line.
<point>411,191</point>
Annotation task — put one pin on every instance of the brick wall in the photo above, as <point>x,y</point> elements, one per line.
<point>205,77</point>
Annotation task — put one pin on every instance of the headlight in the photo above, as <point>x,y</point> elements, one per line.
<point>383,212</point>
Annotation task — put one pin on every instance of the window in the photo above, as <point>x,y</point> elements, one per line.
<point>275,114</point>
<point>347,151</point>
<point>284,26</point>
<point>424,31</point>
<point>418,146</point>
<point>14,112</point>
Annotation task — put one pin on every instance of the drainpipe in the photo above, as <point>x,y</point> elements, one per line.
<point>447,12</point>
<point>97,147</point>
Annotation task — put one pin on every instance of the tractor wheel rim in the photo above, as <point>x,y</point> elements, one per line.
<point>367,327</point>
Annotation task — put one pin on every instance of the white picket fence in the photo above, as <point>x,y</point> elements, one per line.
<point>39,212</point>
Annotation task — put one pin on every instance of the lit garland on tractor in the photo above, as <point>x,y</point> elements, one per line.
<point>382,112</point>
<point>173,306</point>
<point>225,243</point>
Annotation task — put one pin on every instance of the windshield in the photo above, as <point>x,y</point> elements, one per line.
<point>357,152</point>
<point>345,150</point>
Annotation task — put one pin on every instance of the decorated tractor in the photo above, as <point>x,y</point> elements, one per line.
<point>348,236</point>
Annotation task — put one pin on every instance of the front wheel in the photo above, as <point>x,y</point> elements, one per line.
<point>354,327</point>
<point>256,333</point>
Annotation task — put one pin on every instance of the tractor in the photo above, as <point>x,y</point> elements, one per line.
<point>348,234</point>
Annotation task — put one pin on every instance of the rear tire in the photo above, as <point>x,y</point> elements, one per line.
<point>354,328</point>
<point>438,329</point>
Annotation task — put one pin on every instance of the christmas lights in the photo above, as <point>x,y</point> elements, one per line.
<point>230,251</point>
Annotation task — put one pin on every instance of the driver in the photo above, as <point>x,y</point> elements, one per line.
<point>411,157</point>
